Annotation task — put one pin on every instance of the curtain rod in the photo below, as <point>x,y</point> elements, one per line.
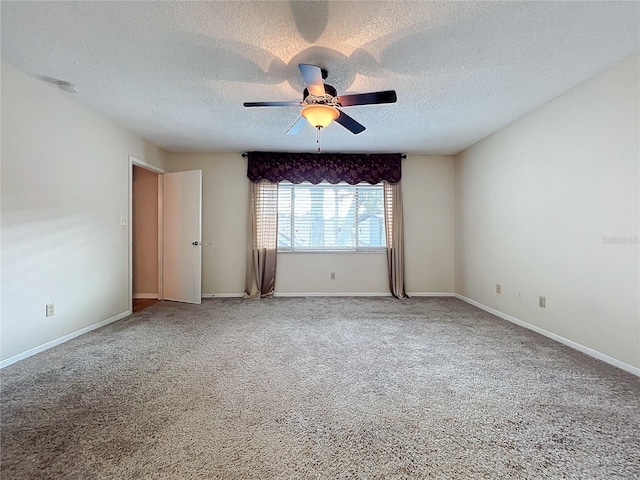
<point>245,155</point>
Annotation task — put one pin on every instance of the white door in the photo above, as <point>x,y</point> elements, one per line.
<point>182,232</point>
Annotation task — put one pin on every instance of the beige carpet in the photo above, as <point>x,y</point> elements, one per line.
<point>317,388</point>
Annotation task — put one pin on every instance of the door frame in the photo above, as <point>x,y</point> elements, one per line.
<point>133,161</point>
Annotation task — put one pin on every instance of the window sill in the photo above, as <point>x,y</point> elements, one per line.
<point>333,252</point>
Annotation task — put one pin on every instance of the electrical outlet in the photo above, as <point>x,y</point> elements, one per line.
<point>542,302</point>
<point>124,221</point>
<point>333,275</point>
<point>519,295</point>
<point>498,289</point>
<point>49,309</point>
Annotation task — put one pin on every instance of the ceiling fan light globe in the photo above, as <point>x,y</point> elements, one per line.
<point>319,116</point>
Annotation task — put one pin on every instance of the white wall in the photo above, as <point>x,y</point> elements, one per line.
<point>65,176</point>
<point>310,273</point>
<point>428,191</point>
<point>536,203</point>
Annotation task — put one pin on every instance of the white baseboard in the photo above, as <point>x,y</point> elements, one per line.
<point>553,336</point>
<point>65,338</point>
<point>145,295</point>
<point>222,295</point>
<point>332,294</point>
<point>431,294</point>
<point>362,294</point>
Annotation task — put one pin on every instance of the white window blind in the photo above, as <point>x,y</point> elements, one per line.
<point>265,216</point>
<point>329,217</point>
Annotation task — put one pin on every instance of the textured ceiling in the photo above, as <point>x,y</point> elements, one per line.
<point>178,73</point>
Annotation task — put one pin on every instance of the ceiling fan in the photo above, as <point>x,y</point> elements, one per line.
<point>321,103</point>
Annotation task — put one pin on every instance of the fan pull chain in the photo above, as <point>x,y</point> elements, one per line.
<point>318,138</point>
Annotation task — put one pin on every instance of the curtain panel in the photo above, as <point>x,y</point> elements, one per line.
<point>262,228</point>
<point>319,167</point>
<point>394,229</point>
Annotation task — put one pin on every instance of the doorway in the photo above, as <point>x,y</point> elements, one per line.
<point>165,230</point>
<point>145,240</point>
<point>144,227</point>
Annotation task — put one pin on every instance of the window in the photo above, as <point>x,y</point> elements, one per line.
<point>327,217</point>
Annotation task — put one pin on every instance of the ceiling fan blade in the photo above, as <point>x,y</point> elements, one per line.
<point>388,96</point>
<point>272,104</point>
<point>349,123</point>
<point>312,76</point>
<point>297,127</point>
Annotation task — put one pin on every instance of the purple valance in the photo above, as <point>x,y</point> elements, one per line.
<point>318,167</point>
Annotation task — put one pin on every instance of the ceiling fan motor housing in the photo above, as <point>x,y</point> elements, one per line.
<point>328,89</point>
